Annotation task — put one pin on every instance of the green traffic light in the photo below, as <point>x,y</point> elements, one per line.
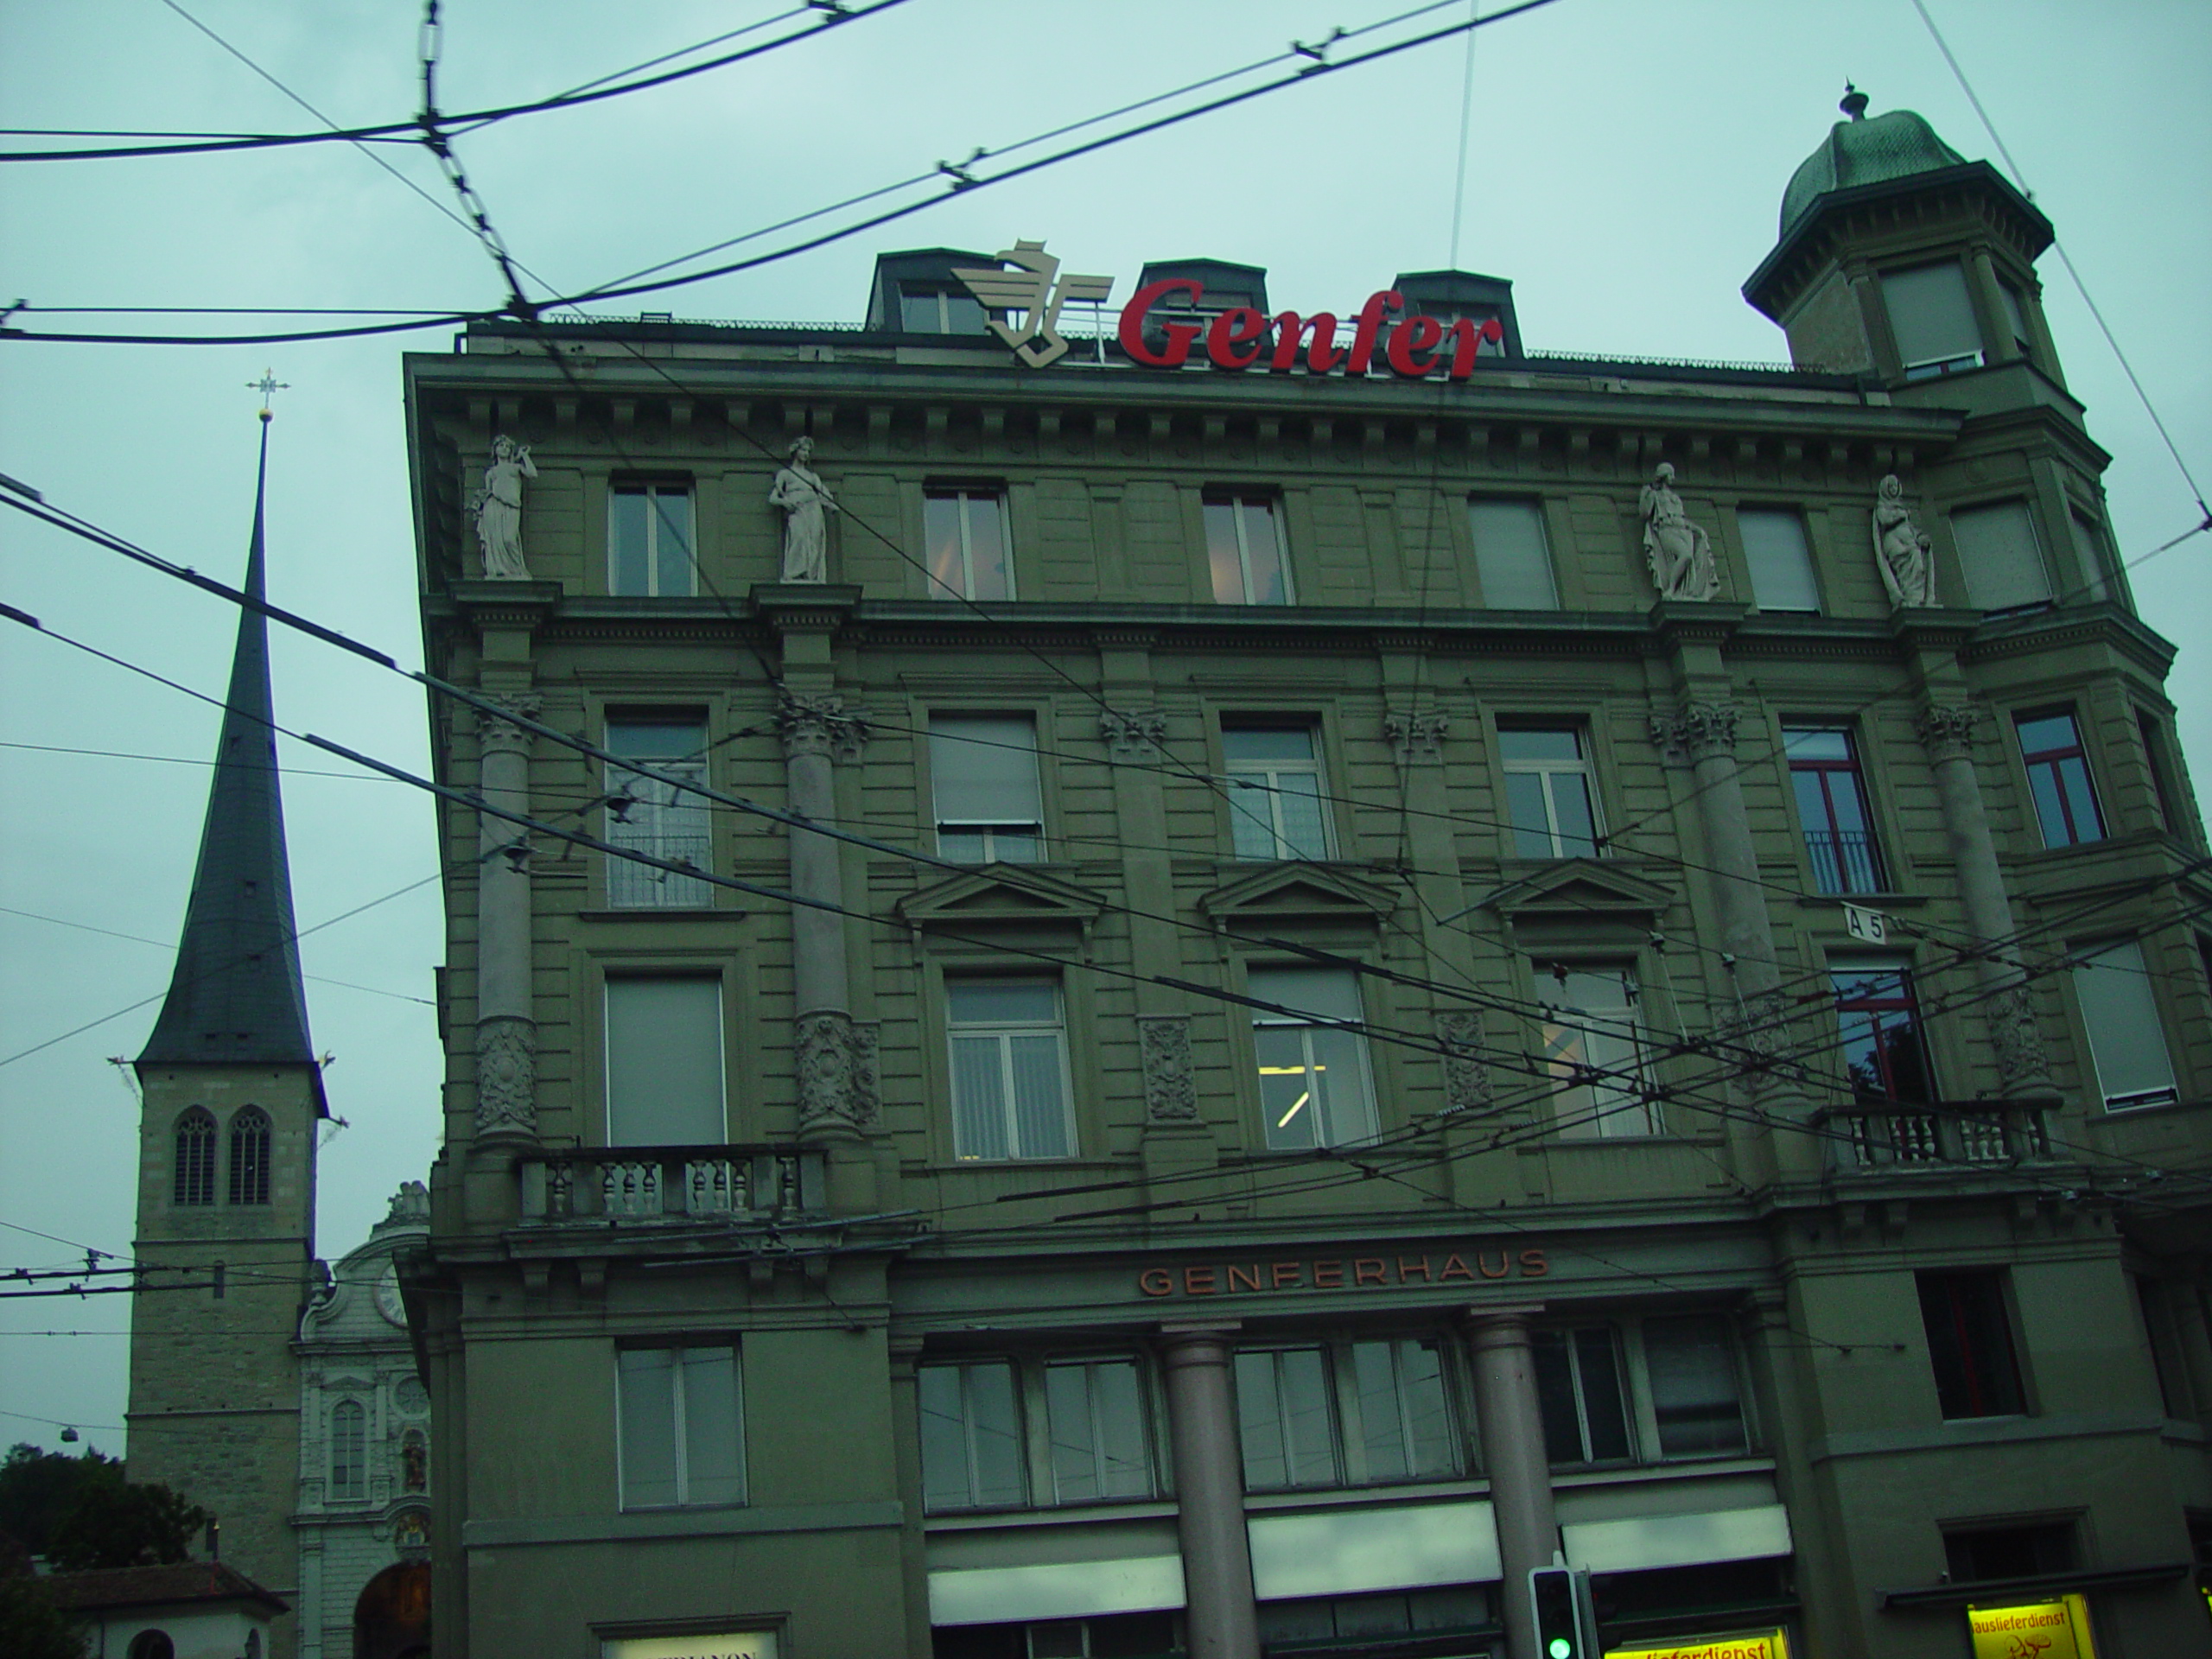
<point>1562,1648</point>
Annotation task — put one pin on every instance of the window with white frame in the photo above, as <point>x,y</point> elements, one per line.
<point>1010,1088</point>
<point>661,819</point>
<point>963,532</point>
<point>1549,791</point>
<point>925,308</point>
<point>2000,556</point>
<point>1095,1409</point>
<point>650,545</point>
<point>1315,1088</point>
<point>1933,320</point>
<point>1347,1413</point>
<point>1245,550</point>
<point>1285,1417</point>
<point>682,1435</point>
<point>1592,1048</point>
<point>1275,791</point>
<point>983,781</point>
<point>1405,1431</point>
<point>349,1454</point>
<point>2127,1041</point>
<point>1697,1405</point>
<point>1513,556</point>
<point>971,1437</point>
<point>1780,558</point>
<point>1580,1391</point>
<point>664,1085</point>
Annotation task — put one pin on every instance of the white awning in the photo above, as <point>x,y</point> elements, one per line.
<point>991,1595</point>
<point>1678,1540</point>
<point>1405,1547</point>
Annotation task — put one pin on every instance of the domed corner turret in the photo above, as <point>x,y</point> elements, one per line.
<point>1899,258</point>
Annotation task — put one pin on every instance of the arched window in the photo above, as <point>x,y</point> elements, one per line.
<point>195,1158</point>
<point>349,1427</point>
<point>154,1645</point>
<point>249,1157</point>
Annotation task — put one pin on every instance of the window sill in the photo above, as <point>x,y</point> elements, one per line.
<point>663,913</point>
<point>1063,1515</point>
<point>1741,1463</point>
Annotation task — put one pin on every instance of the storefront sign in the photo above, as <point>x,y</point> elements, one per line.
<point>1760,1644</point>
<point>2037,1630</point>
<point>1340,1273</point>
<point>734,1645</point>
<point>1237,338</point>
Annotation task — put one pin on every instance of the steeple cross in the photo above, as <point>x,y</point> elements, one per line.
<point>268,386</point>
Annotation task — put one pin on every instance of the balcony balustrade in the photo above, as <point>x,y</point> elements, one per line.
<point>760,1185</point>
<point>1874,1134</point>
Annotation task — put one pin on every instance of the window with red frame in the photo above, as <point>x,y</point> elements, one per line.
<point>1832,809</point>
<point>1970,1344</point>
<point>1881,1027</point>
<point>2058,777</point>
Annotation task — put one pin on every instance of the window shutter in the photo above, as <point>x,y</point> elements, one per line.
<point>1511,555</point>
<point>2000,558</point>
<point>1781,564</point>
<point>2126,1044</point>
<point>983,769</point>
<point>1930,314</point>
<point>665,1062</point>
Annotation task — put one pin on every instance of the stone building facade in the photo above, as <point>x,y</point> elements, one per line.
<point>1218,989</point>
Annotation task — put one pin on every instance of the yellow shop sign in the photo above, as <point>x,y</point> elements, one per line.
<point>1758,1644</point>
<point>2036,1629</point>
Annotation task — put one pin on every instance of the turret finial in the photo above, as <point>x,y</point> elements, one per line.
<point>1854,102</point>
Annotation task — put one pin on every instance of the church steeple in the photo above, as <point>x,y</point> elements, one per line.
<point>236,995</point>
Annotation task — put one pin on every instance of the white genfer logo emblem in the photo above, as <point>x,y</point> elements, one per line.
<point>1031,291</point>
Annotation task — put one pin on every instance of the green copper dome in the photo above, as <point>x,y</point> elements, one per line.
<point>1859,151</point>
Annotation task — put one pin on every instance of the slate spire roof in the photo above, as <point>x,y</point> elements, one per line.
<point>236,995</point>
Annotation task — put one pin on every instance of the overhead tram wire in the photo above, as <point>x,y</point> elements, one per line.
<point>168,945</point>
<point>827,19</point>
<point>961,182</point>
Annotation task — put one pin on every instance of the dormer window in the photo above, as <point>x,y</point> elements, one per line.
<point>930,309</point>
<point>1933,320</point>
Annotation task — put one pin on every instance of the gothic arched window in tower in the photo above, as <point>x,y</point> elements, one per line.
<point>349,1450</point>
<point>195,1158</point>
<point>249,1157</point>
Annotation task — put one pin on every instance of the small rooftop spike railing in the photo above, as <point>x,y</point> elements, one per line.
<point>762,1185</point>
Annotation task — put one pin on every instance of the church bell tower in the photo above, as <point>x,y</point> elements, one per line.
<point>232,1100</point>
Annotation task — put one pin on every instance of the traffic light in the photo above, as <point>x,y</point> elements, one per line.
<point>1561,1597</point>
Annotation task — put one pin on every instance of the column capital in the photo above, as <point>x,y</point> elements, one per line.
<point>1416,736</point>
<point>818,723</point>
<point>1947,729</point>
<point>1700,729</point>
<point>499,732</point>
<point>1133,733</point>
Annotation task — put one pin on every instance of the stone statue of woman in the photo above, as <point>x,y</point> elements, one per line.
<point>498,507</point>
<point>799,491</point>
<point>1901,553</point>
<point>1679,552</point>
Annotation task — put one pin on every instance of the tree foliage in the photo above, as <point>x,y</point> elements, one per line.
<point>31,1626</point>
<point>37,1488</point>
<point>80,1513</point>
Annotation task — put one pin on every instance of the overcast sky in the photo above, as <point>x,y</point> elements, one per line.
<point>1627,158</point>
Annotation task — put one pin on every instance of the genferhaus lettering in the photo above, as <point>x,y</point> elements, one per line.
<point>1339,1273</point>
<point>1238,337</point>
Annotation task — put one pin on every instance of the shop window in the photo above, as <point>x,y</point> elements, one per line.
<point>971,1437</point>
<point>1689,1363</point>
<point>664,1061</point>
<point>1010,1094</point>
<point>1341,1627</point>
<point>1315,1089</point>
<point>1513,556</point>
<point>249,1157</point>
<point>348,1452</point>
<point>661,820</point>
<point>1549,791</point>
<point>2127,1043</point>
<point>1933,320</point>
<point>989,804</point>
<point>1580,1390</point>
<point>1976,1554</point>
<point>1593,1053</point>
<point>1831,795</point>
<point>1285,1417</point>
<point>1970,1344</point>
<point>2000,557</point>
<point>649,541</point>
<point>1780,560</point>
<point>963,532</point>
<point>1244,550</point>
<point>1105,1636</point>
<point>925,308</point>
<point>195,1159</point>
<point>1275,792</point>
<point>1405,1421</point>
<point>683,1442</point>
<point>1101,1448</point>
<point>2058,777</point>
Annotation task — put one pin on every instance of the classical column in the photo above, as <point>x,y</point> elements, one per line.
<point>506,1024</point>
<point>833,1058</point>
<point>1946,731</point>
<point>1209,1493</point>
<point>1756,1031</point>
<point>1512,1429</point>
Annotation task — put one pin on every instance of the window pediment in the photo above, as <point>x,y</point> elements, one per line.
<point>1304,891</point>
<point>1002,895</point>
<point>1580,887</point>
